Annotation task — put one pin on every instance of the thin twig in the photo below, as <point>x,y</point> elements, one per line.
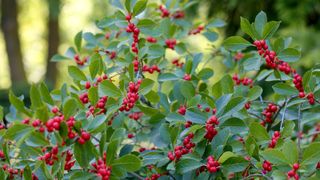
<point>257,175</point>
<point>136,175</point>
<point>256,116</point>
<point>299,132</point>
<point>284,114</point>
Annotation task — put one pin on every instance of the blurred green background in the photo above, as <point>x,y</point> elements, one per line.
<point>32,31</point>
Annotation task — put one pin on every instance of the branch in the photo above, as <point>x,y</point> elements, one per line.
<point>284,114</point>
<point>136,175</point>
<point>257,175</point>
<point>299,131</point>
<point>250,113</point>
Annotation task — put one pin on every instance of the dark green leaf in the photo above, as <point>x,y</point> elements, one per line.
<point>45,94</point>
<point>139,7</point>
<point>128,162</point>
<point>78,40</point>
<point>107,88</point>
<point>76,73</point>
<point>254,93</point>
<point>247,28</point>
<point>70,108</point>
<point>84,153</point>
<point>146,86</point>
<point>260,21</point>
<point>284,89</point>
<point>290,150</point>
<point>269,29</point>
<point>258,132</point>
<point>112,150</point>
<point>34,97</point>
<point>236,43</point>
<point>187,89</point>
<point>289,55</point>
<point>188,164</point>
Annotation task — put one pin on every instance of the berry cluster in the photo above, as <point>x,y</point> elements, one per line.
<point>188,124</point>
<point>101,169</point>
<point>101,104</point>
<point>212,165</point>
<point>187,77</point>
<point>54,123</point>
<point>79,61</point>
<point>274,140</point>
<point>267,166</point>
<point>177,63</point>
<point>151,39</point>
<point>135,115</point>
<point>196,31</point>
<point>182,150</point>
<point>131,28</point>
<point>153,177</point>
<point>182,110</point>
<point>85,136</point>
<point>69,163</point>
<point>297,81</point>
<point>210,127</point>
<point>171,43</point>
<point>70,123</point>
<point>132,96</point>
<point>293,172</point>
<point>247,105</point>
<point>238,56</point>
<point>84,98</point>
<point>12,172</point>
<point>37,123</point>
<point>135,63</point>
<point>130,136</point>
<point>51,156</point>
<point>111,54</point>
<point>244,81</point>
<point>2,156</point>
<point>151,69</point>
<point>269,112</point>
<point>164,12</point>
<point>310,98</point>
<point>178,14</point>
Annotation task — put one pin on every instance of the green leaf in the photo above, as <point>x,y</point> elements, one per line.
<point>140,6</point>
<point>254,93</point>
<point>288,128</point>
<point>96,65</point>
<point>252,64</point>
<point>27,173</point>
<point>306,79</point>
<point>260,21</point>
<point>78,40</point>
<point>269,29</point>
<point>96,122</point>
<point>258,132</point>
<point>58,58</point>
<point>211,35</point>
<point>236,43</point>
<point>289,55</point>
<point>45,94</point>
<point>146,86</point>
<point>1,113</point>
<point>84,153</point>
<point>187,89</point>
<point>37,139</point>
<point>225,156</point>
<point>112,150</point>
<point>93,95</point>
<point>284,89</point>
<point>274,156</point>
<point>70,108</point>
<point>186,165</point>
<point>205,73</point>
<point>76,73</point>
<point>167,77</point>
<point>224,86</point>
<point>311,154</point>
<point>252,148</point>
<point>127,4</point>
<point>216,23</point>
<point>290,150</point>
<point>18,132</point>
<point>156,51</point>
<point>107,88</point>
<point>247,28</point>
<point>18,104</point>
<point>128,162</point>
<point>34,97</point>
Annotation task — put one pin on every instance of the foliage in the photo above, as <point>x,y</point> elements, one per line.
<point>134,113</point>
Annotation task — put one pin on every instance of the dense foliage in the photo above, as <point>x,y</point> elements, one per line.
<point>134,113</point>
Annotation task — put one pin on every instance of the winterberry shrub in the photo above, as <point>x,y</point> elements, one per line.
<point>133,112</point>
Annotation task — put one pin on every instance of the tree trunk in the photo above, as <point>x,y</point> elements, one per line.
<point>53,41</point>
<point>10,27</point>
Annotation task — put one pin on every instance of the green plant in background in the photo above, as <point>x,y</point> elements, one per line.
<point>132,112</point>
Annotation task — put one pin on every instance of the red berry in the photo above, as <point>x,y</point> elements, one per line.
<point>85,135</point>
